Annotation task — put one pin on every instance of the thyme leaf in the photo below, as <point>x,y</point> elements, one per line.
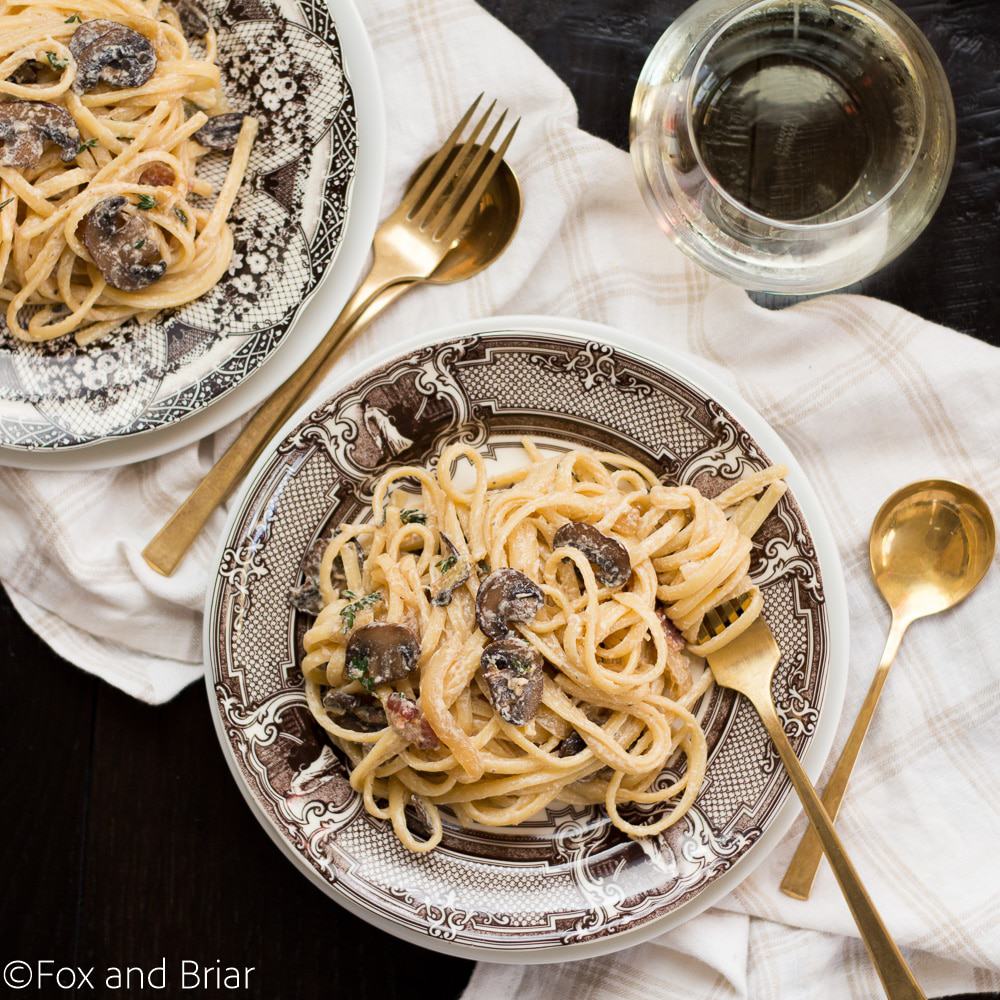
<point>73,19</point>
<point>357,670</point>
<point>146,202</point>
<point>349,614</point>
<point>412,516</point>
<point>446,564</point>
<point>55,62</point>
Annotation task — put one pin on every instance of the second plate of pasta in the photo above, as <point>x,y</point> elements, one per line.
<point>176,181</point>
<point>454,640</point>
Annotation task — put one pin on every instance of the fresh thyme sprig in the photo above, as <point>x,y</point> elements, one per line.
<point>350,612</point>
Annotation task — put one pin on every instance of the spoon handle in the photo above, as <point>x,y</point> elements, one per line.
<point>892,969</point>
<point>168,546</point>
<point>801,874</point>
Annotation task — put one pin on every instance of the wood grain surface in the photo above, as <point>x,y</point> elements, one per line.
<point>125,839</point>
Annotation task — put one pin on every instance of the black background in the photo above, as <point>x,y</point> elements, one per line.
<point>124,838</point>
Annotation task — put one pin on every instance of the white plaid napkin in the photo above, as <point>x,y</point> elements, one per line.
<point>868,397</point>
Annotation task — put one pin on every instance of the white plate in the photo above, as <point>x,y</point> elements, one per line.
<point>567,886</point>
<point>324,305</point>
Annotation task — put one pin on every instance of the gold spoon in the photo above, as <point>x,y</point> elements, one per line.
<point>930,545</point>
<point>482,239</point>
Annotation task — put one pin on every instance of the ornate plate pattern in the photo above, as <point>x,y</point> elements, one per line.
<point>568,877</point>
<point>281,61</point>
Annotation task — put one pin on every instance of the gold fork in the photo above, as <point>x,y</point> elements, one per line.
<point>747,665</point>
<point>408,246</point>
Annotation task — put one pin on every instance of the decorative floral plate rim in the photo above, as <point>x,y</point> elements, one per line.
<point>426,921</point>
<point>345,35</point>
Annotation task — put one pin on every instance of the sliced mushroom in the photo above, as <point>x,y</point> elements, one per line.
<point>88,33</point>
<point>157,175</point>
<point>506,596</point>
<point>194,21</point>
<point>408,719</point>
<point>25,127</point>
<point>221,131</point>
<point>609,557</point>
<point>678,667</point>
<point>108,52</point>
<point>513,673</point>
<point>571,746</point>
<point>122,245</point>
<point>381,652</point>
<point>355,711</point>
<point>26,73</point>
<point>453,571</point>
<point>306,597</point>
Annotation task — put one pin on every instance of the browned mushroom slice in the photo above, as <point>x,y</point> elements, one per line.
<point>306,597</point>
<point>194,21</point>
<point>381,652</point>
<point>506,596</point>
<point>121,245</point>
<point>452,571</point>
<point>407,718</point>
<point>678,667</point>
<point>25,127</point>
<point>88,33</point>
<point>571,746</point>
<point>26,73</point>
<point>108,52</point>
<point>157,175</point>
<point>609,557</point>
<point>513,673</point>
<point>355,711</point>
<point>221,131</point>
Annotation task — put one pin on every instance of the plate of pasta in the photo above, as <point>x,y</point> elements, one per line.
<point>453,641</point>
<point>177,180</point>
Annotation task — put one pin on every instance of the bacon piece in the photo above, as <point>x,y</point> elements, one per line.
<point>406,717</point>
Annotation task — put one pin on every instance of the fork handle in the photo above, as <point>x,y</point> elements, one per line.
<point>168,546</point>
<point>802,869</point>
<point>895,974</point>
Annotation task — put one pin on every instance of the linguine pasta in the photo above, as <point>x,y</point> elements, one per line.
<point>494,648</point>
<point>136,143</point>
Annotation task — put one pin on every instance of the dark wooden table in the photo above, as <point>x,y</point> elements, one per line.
<point>125,839</point>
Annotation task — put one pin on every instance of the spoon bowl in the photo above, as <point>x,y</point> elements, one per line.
<point>931,543</point>
<point>487,233</point>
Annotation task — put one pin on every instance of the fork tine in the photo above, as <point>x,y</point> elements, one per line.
<point>419,187</point>
<point>712,623</point>
<point>723,615</point>
<point>456,218</point>
<point>455,172</point>
<point>463,178</point>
